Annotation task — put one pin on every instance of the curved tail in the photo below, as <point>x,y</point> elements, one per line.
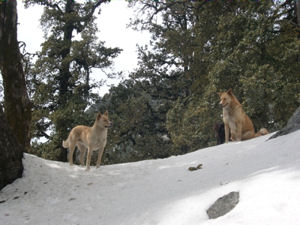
<point>262,131</point>
<point>65,143</point>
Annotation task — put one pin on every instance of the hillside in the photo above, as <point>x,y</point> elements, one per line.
<point>163,192</point>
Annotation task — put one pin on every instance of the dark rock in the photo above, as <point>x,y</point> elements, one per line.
<point>223,205</point>
<point>292,125</point>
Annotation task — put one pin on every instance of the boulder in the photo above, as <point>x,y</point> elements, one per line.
<point>223,205</point>
<point>292,125</point>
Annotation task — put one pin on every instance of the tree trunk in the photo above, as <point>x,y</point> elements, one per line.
<point>298,11</point>
<point>11,154</point>
<point>64,76</point>
<point>16,101</point>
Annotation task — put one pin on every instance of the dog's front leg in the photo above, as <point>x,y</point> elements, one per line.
<point>88,158</point>
<point>101,150</point>
<point>82,149</point>
<point>226,133</point>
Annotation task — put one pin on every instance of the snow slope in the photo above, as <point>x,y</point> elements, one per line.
<point>163,192</point>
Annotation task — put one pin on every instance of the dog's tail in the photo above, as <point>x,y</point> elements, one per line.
<point>262,131</point>
<point>65,143</point>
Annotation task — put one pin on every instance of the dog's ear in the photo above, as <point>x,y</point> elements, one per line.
<point>229,91</point>
<point>106,113</point>
<point>220,93</point>
<point>99,116</point>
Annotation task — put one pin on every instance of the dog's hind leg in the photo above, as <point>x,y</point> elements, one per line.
<point>82,149</point>
<point>248,135</point>
<point>239,133</point>
<point>71,152</point>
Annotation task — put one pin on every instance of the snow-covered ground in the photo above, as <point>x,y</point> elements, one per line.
<point>163,192</point>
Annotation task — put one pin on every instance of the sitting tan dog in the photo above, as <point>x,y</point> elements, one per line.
<point>236,120</point>
<point>88,138</point>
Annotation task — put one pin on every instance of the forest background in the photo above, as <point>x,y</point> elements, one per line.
<point>169,104</point>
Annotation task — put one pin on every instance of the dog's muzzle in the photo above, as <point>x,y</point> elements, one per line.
<point>223,106</point>
<point>108,126</point>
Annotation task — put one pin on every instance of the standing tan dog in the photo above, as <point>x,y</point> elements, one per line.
<point>88,138</point>
<point>236,120</point>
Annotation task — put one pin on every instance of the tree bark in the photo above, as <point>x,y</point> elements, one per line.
<point>16,101</point>
<point>11,154</point>
<point>298,11</point>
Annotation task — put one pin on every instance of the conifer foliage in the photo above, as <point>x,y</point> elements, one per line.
<point>169,104</point>
<point>201,47</point>
<point>60,78</point>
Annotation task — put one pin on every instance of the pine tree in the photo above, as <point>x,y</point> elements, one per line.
<point>241,45</point>
<point>61,74</point>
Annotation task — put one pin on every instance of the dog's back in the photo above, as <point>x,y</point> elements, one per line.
<point>77,134</point>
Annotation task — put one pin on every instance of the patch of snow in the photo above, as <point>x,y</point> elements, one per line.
<point>163,191</point>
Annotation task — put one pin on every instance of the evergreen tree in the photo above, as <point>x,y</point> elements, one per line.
<point>138,117</point>
<point>252,47</point>
<point>254,60</point>
<point>61,75</point>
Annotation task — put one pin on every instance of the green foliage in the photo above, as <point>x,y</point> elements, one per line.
<point>138,130</point>
<point>170,104</point>
<point>252,48</point>
<point>60,78</point>
<point>263,67</point>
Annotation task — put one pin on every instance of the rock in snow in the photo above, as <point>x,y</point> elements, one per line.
<point>292,125</point>
<point>223,205</point>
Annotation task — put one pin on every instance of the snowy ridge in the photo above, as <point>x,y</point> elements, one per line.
<point>163,192</point>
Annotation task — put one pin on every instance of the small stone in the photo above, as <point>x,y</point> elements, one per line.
<point>192,168</point>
